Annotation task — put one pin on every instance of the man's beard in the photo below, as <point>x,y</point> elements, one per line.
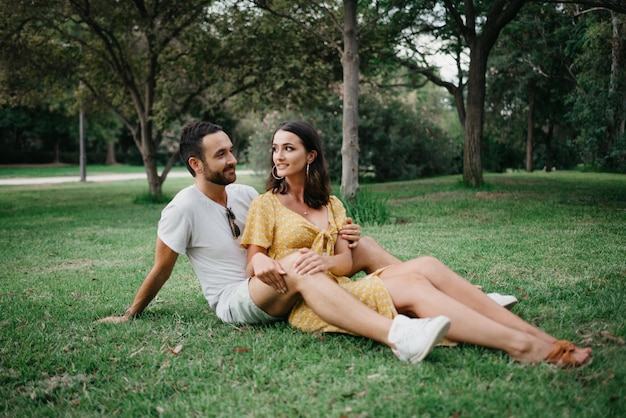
<point>218,177</point>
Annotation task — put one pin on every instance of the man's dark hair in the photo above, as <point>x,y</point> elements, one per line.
<point>191,141</point>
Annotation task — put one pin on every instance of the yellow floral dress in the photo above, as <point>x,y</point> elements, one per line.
<point>281,231</point>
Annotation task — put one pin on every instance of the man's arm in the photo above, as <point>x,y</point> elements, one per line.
<point>164,261</point>
<point>267,270</point>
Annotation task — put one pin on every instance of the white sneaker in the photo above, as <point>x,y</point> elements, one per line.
<point>414,338</point>
<point>506,301</point>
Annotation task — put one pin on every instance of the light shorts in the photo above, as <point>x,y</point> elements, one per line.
<point>243,310</point>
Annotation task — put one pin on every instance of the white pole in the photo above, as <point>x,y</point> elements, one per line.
<point>83,155</point>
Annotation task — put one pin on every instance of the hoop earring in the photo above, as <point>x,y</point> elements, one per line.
<point>307,170</point>
<point>276,175</point>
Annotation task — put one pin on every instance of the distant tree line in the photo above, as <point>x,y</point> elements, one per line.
<point>530,85</point>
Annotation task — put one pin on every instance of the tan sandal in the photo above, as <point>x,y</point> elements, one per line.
<point>562,355</point>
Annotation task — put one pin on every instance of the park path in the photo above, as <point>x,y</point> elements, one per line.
<point>97,178</point>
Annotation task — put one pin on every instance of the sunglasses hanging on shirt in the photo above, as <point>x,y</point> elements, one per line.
<point>234,228</point>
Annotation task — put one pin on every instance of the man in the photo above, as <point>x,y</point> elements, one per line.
<point>205,221</point>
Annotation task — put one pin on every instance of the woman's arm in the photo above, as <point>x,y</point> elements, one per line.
<point>342,260</point>
<point>339,264</point>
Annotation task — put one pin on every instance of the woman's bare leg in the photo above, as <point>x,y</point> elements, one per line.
<point>415,295</point>
<point>327,299</point>
<point>455,286</point>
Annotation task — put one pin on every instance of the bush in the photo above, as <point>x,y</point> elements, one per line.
<point>367,209</point>
<point>397,142</point>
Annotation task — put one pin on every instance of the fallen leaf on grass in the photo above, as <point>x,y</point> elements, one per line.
<point>351,369</point>
<point>356,395</point>
<point>608,379</point>
<point>241,349</point>
<point>134,353</point>
<point>605,336</point>
<point>242,328</point>
<point>176,349</point>
<point>610,337</point>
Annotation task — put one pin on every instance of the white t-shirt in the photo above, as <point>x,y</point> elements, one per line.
<point>195,225</point>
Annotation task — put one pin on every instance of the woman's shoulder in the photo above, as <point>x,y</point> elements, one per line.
<point>266,199</point>
<point>337,208</point>
<point>334,201</point>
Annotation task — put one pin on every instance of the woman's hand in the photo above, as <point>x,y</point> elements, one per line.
<point>311,262</point>
<point>351,232</point>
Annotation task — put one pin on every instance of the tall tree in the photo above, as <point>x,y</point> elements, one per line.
<point>121,53</point>
<point>343,26</point>
<point>598,105</point>
<point>530,77</point>
<point>475,25</point>
<point>150,61</point>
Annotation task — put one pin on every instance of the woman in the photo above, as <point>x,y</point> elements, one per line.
<point>297,213</point>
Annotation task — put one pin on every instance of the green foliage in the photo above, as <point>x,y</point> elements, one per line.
<point>597,107</point>
<point>368,209</point>
<point>148,199</point>
<point>259,139</point>
<point>39,135</point>
<point>398,139</point>
<point>528,63</point>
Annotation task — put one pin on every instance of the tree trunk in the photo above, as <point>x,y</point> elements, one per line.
<point>350,142</point>
<point>530,127</point>
<point>472,159</point>
<point>549,136</point>
<point>500,13</point>
<point>617,85</point>
<point>110,160</point>
<point>148,153</point>
<point>56,159</point>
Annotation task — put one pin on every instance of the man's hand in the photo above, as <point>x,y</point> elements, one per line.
<point>113,320</point>
<point>269,271</point>
<point>351,232</point>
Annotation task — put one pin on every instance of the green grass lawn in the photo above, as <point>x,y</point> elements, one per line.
<point>73,253</point>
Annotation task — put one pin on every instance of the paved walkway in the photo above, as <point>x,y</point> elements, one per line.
<point>97,178</point>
